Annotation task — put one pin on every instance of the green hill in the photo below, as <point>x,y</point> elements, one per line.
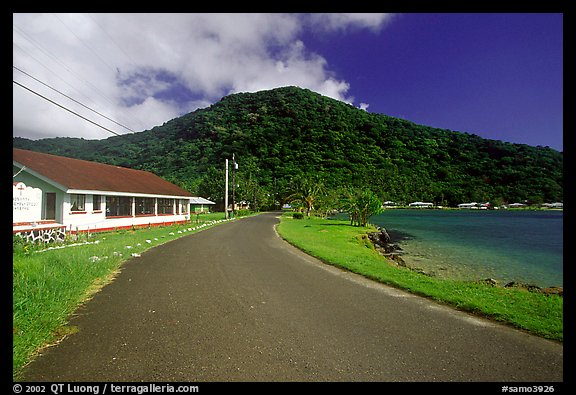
<point>283,133</point>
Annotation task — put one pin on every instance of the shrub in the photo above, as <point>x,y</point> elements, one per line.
<point>21,246</point>
<point>297,215</point>
<point>243,213</point>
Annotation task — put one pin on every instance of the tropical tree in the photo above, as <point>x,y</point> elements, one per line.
<point>360,206</point>
<point>328,202</point>
<point>305,190</point>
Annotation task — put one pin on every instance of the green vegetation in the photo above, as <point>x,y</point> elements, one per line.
<point>305,191</point>
<point>287,134</point>
<point>50,284</point>
<point>360,206</point>
<point>337,243</point>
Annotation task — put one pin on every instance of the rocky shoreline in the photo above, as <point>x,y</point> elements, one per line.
<point>383,244</point>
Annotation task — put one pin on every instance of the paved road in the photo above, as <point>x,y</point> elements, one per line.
<point>237,303</point>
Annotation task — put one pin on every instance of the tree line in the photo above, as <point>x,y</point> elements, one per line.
<point>308,195</point>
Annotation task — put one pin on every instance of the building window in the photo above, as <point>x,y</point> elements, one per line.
<point>118,206</point>
<point>145,206</point>
<point>184,204</point>
<point>165,206</point>
<point>77,202</point>
<point>96,203</point>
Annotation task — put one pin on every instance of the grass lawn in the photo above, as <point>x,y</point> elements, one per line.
<point>337,243</point>
<point>49,285</point>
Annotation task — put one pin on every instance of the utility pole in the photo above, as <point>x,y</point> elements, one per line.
<point>234,167</point>
<point>226,193</point>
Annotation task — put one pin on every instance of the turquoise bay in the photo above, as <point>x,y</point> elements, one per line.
<point>507,245</point>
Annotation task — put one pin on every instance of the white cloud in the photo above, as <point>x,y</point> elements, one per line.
<point>144,69</point>
<point>154,112</point>
<point>345,21</point>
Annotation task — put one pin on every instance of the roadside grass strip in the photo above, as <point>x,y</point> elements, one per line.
<point>337,243</point>
<point>50,283</point>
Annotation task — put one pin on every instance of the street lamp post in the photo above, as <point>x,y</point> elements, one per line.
<point>234,167</point>
<point>226,193</point>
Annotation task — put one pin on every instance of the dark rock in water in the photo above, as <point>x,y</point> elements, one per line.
<point>553,291</point>
<point>382,240</point>
<point>382,243</point>
<point>390,248</point>
<point>421,271</point>
<point>529,287</point>
<point>489,281</point>
<point>384,236</point>
<point>397,259</point>
<point>380,237</point>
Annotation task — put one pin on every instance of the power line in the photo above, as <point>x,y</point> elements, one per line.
<point>84,43</point>
<point>64,81</point>
<point>65,108</point>
<point>74,100</point>
<point>112,39</point>
<point>83,80</point>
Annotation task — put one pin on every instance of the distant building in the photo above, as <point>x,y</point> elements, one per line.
<point>81,195</point>
<point>475,206</point>
<point>553,205</point>
<point>200,205</point>
<point>242,205</point>
<point>421,205</point>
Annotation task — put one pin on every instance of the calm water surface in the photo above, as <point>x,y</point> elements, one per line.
<point>516,245</point>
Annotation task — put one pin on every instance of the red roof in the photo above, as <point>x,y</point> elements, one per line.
<point>94,176</point>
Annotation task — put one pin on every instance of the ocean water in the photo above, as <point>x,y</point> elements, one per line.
<point>507,245</point>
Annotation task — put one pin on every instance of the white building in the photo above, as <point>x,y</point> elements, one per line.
<point>421,205</point>
<point>472,205</point>
<point>89,196</point>
<point>553,205</point>
<point>475,206</point>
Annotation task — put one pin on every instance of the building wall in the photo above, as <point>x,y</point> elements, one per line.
<point>35,182</point>
<point>199,208</point>
<point>92,220</point>
<point>88,217</point>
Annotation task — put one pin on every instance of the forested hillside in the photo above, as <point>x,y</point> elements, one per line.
<point>292,133</point>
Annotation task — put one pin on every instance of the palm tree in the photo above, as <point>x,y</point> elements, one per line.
<point>306,190</point>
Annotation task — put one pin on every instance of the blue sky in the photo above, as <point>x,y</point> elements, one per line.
<point>495,75</point>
